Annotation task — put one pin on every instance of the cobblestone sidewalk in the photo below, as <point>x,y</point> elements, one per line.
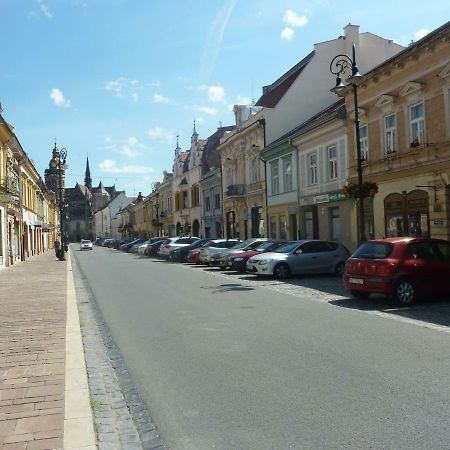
<point>32,354</point>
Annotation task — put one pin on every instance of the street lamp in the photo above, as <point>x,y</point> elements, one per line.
<point>338,66</point>
<point>157,215</point>
<point>61,167</point>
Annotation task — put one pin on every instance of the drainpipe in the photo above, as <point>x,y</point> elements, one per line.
<point>297,166</point>
<point>262,122</point>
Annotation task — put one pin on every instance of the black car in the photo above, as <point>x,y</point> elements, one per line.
<point>127,247</point>
<point>181,254</point>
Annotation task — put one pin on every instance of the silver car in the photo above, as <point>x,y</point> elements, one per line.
<point>215,246</point>
<point>223,259</point>
<point>301,257</point>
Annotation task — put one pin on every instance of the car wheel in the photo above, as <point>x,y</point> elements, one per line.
<point>360,294</point>
<point>405,292</point>
<point>281,271</point>
<point>339,269</point>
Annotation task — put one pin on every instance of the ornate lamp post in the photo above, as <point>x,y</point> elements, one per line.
<point>157,205</point>
<point>338,66</point>
<point>62,166</point>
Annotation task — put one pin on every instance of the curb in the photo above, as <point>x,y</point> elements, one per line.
<point>78,420</point>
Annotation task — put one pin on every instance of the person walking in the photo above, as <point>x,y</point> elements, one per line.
<point>57,249</point>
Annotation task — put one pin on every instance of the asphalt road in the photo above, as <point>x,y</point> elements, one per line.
<point>223,364</point>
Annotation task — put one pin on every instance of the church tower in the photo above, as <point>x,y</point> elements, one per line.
<point>87,175</point>
<point>55,173</point>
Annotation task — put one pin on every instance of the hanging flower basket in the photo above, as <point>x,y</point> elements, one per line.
<point>354,191</point>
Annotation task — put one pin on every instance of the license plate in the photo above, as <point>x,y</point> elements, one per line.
<point>356,280</point>
<point>251,269</point>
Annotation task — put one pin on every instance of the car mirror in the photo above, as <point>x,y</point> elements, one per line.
<point>298,251</point>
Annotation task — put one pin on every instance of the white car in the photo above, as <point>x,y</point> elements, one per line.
<point>215,246</point>
<point>175,242</point>
<point>85,245</point>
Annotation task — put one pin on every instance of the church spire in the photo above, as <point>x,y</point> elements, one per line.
<point>194,137</point>
<point>87,176</point>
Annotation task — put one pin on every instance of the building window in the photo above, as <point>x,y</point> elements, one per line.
<point>185,200</point>
<point>335,223</point>
<point>273,227</point>
<point>364,142</point>
<point>282,224</point>
<point>208,204</point>
<point>217,201</point>
<point>312,168</point>
<point>254,170</point>
<point>287,173</point>
<point>230,176</point>
<point>390,134</point>
<point>417,118</point>
<point>274,178</point>
<point>332,163</point>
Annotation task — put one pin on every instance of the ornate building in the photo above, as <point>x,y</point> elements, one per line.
<point>82,201</point>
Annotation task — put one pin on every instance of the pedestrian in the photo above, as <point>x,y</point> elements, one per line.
<point>57,248</point>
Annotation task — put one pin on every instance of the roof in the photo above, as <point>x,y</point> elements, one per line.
<point>336,110</point>
<point>273,93</point>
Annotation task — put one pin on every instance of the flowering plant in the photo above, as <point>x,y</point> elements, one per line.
<point>355,191</point>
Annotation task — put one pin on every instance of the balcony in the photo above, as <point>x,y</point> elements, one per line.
<point>9,190</point>
<point>236,190</point>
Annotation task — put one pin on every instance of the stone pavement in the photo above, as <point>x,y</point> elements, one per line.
<point>36,302</point>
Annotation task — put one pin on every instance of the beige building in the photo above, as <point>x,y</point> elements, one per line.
<point>165,210</point>
<point>404,107</point>
<point>243,177</point>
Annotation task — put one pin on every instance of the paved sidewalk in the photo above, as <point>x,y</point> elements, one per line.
<point>33,383</point>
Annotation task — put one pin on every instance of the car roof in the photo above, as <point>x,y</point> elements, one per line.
<point>405,239</point>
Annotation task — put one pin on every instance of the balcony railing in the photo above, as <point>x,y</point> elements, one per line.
<point>236,190</point>
<point>9,185</point>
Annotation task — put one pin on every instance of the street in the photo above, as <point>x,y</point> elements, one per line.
<point>228,361</point>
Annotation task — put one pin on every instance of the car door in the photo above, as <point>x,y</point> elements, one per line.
<point>444,283</point>
<point>427,267</point>
<point>303,259</point>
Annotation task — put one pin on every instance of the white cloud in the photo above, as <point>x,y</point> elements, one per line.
<point>158,98</point>
<point>199,120</point>
<point>244,100</point>
<point>421,33</point>
<point>216,93</point>
<point>292,19</point>
<point>130,147</point>
<point>123,87</point>
<point>58,98</point>
<point>44,9</point>
<point>160,134</point>
<point>110,166</point>
<point>208,110</point>
<point>287,33</point>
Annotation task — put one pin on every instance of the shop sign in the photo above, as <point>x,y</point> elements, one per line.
<point>331,197</point>
<point>438,222</point>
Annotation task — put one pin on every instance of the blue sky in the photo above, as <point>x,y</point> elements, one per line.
<point>118,80</point>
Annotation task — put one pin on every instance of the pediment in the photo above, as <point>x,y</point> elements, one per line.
<point>385,100</point>
<point>445,73</point>
<point>411,87</point>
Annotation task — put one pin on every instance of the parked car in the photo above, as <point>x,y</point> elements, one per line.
<point>300,258</point>
<point>215,246</point>
<point>404,268</point>
<point>239,261</point>
<point>143,247</point>
<point>108,242</point>
<point>85,244</point>
<point>153,248</point>
<point>175,242</point>
<point>181,253</point>
<point>222,259</point>
<point>127,247</point>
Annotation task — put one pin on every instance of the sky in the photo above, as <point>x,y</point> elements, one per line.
<point>118,80</point>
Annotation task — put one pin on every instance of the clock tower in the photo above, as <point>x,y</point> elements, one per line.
<point>54,174</point>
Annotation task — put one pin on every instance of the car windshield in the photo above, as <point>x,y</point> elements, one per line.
<point>268,245</point>
<point>288,247</point>
<point>85,242</point>
<point>374,250</point>
<point>242,244</point>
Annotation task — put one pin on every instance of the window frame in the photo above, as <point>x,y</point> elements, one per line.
<point>364,142</point>
<point>287,176</point>
<point>333,167</point>
<point>390,134</point>
<point>420,140</point>
<point>274,178</point>
<point>312,169</point>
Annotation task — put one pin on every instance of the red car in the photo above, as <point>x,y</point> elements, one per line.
<point>404,268</point>
<point>239,261</point>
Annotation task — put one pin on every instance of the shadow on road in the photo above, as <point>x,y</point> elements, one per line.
<point>227,287</point>
<point>435,311</point>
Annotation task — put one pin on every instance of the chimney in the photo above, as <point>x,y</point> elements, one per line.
<point>351,36</point>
